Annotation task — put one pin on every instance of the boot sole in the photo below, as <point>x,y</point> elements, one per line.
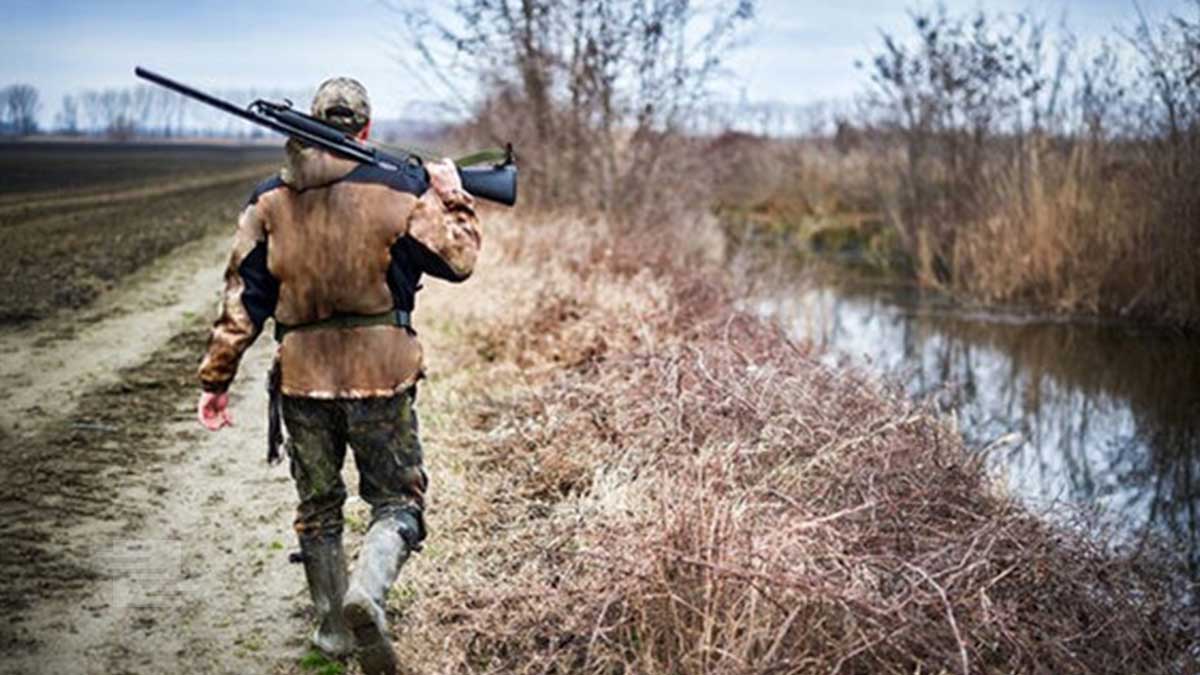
<point>374,651</point>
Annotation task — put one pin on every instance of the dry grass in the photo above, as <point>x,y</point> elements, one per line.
<point>651,483</point>
<point>1054,236</point>
<point>1072,229</point>
<point>1003,179</point>
<point>1078,227</point>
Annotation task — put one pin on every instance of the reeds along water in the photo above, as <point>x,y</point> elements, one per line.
<point>1076,226</point>
<point>1006,165</point>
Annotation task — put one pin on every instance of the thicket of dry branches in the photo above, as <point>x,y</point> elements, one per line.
<point>676,487</point>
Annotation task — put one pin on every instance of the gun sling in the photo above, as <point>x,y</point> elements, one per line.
<point>396,317</point>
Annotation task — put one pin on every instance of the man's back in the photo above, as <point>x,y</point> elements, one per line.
<point>330,244</point>
<point>332,239</point>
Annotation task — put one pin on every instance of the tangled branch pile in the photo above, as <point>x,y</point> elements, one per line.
<point>673,487</point>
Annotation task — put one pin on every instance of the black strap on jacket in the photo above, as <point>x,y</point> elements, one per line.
<point>396,317</point>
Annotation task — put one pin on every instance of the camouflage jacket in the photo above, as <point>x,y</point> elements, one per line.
<point>329,237</point>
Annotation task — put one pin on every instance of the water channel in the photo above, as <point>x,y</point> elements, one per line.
<point>1072,413</point>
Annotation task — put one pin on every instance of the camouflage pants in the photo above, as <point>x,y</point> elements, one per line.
<point>382,431</point>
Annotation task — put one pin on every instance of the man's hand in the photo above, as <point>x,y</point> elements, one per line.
<point>213,410</point>
<point>444,178</point>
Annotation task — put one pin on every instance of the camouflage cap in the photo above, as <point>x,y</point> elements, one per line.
<point>342,101</point>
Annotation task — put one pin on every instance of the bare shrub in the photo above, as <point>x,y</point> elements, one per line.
<point>950,95</point>
<point>1036,175</point>
<point>705,496</point>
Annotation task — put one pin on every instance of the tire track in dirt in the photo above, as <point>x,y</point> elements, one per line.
<point>44,367</point>
<point>130,540</point>
<point>188,571</point>
<point>24,207</point>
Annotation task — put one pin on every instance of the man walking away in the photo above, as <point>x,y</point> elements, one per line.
<point>335,251</point>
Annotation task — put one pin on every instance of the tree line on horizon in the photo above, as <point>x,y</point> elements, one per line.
<point>143,111</point>
<point>123,113</point>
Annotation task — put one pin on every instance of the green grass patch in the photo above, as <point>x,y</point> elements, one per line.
<point>316,662</point>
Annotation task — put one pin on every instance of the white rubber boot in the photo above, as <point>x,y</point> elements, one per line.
<point>364,608</point>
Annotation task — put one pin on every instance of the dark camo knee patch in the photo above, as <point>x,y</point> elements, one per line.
<point>316,451</point>
<point>385,435</point>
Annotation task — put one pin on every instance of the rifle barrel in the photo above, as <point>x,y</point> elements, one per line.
<point>215,102</point>
<point>182,88</point>
<point>238,111</point>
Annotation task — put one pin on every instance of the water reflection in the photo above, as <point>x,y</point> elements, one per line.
<point>1106,416</point>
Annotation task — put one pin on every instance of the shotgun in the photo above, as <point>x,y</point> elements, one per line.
<point>497,183</point>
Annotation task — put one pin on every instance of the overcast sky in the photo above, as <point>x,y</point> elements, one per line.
<point>796,52</point>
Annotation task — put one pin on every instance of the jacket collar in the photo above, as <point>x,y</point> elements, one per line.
<point>312,167</point>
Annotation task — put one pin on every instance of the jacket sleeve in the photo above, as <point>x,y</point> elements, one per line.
<point>448,230</point>
<point>249,299</point>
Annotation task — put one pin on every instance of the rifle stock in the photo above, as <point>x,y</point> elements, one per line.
<point>496,183</point>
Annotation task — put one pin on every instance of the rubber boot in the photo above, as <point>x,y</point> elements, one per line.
<point>325,569</point>
<point>364,608</point>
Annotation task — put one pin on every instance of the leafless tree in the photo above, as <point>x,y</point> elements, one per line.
<point>92,113</point>
<point>1170,65</point>
<point>1169,117</point>
<point>117,120</point>
<point>168,105</point>
<point>949,94</point>
<point>142,107</point>
<point>592,91</point>
<point>21,106</point>
<point>68,116</point>
<point>1101,94</point>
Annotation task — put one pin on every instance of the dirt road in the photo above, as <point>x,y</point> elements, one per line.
<point>135,542</point>
<point>132,541</point>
